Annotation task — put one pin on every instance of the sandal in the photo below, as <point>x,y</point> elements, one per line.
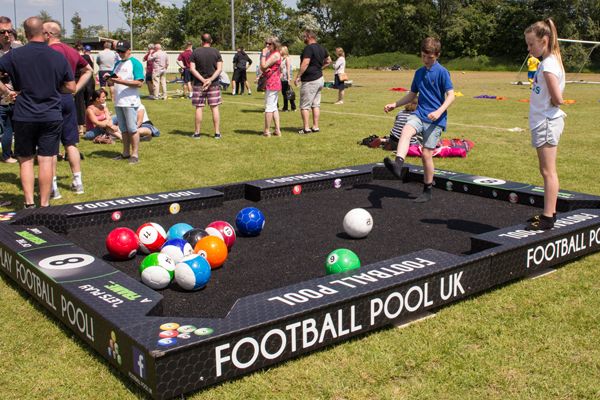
<point>315,130</point>
<point>304,132</point>
<point>266,134</point>
<point>277,134</point>
<point>121,157</point>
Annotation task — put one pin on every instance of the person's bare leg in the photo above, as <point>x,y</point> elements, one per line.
<point>28,177</point>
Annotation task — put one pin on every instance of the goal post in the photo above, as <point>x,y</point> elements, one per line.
<point>576,55</point>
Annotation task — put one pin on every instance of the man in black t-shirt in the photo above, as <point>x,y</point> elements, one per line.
<point>313,59</point>
<point>39,75</point>
<point>206,64</point>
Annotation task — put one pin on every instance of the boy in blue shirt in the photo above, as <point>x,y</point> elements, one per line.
<point>433,86</point>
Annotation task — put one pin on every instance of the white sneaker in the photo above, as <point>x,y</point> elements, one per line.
<point>77,188</point>
<point>55,194</point>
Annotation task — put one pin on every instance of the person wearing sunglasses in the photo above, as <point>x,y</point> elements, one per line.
<point>7,43</point>
<point>270,62</point>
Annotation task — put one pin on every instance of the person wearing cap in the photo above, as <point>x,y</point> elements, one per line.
<point>128,78</point>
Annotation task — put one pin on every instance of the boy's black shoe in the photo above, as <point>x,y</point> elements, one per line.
<point>537,218</point>
<point>426,195</point>
<point>395,167</point>
<point>542,224</point>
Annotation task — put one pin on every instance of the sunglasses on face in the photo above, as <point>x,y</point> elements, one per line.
<point>268,43</point>
<point>4,32</point>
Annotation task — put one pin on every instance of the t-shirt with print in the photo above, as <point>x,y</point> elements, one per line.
<point>131,70</point>
<point>205,59</point>
<point>540,106</point>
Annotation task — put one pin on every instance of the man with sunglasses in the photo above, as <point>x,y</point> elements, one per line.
<point>6,105</point>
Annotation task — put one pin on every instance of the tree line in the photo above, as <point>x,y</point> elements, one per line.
<point>467,28</point>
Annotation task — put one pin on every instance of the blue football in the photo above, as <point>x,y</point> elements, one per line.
<point>250,221</point>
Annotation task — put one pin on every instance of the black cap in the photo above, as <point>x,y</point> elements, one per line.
<point>123,45</point>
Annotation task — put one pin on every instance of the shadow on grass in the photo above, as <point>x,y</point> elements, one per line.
<point>253,110</point>
<point>256,132</point>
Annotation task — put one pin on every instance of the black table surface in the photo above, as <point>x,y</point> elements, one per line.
<point>300,231</point>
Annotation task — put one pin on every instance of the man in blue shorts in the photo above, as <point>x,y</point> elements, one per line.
<point>433,86</point>
<point>39,75</point>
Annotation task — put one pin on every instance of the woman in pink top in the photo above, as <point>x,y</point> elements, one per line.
<point>270,61</point>
<point>97,118</point>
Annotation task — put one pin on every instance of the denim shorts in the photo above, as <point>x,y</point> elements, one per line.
<point>127,117</point>
<point>431,133</point>
<point>548,132</point>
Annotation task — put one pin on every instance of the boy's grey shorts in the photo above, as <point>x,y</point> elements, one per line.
<point>548,132</point>
<point>431,133</point>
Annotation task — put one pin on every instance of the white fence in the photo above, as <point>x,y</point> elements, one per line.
<point>227,60</point>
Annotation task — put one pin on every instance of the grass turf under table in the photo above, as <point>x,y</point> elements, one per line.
<point>300,232</point>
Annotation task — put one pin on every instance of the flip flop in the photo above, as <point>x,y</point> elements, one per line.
<point>305,132</point>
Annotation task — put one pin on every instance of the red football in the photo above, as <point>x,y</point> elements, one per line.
<point>122,243</point>
<point>226,231</point>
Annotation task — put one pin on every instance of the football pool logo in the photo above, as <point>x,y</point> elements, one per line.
<point>66,261</point>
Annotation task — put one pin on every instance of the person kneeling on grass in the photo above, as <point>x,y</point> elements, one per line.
<point>98,120</point>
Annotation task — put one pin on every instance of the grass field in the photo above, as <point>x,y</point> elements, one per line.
<point>533,339</point>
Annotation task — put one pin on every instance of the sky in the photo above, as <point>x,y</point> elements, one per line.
<point>92,12</point>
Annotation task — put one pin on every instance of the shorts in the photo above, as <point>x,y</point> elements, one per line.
<point>271,97</point>
<point>42,138</point>
<point>70,133</point>
<point>530,74</point>
<point>547,132</point>
<point>310,94</point>
<point>187,75</point>
<point>127,117</point>
<point>153,130</point>
<point>212,96</point>
<point>148,76</point>
<point>91,134</point>
<point>431,133</point>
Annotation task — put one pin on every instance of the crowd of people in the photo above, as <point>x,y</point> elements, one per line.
<point>48,97</point>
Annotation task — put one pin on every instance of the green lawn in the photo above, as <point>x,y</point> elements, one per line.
<point>533,339</point>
